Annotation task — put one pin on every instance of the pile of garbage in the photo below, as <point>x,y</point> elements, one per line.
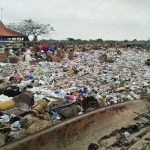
<point>34,97</point>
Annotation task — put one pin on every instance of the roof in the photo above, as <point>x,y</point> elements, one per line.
<point>6,32</point>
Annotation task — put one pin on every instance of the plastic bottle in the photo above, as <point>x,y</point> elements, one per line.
<point>120,89</point>
<point>134,95</point>
<point>99,97</point>
<point>83,91</point>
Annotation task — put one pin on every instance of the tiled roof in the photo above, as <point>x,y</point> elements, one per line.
<point>9,32</point>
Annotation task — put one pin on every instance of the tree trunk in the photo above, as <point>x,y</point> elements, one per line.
<point>35,38</point>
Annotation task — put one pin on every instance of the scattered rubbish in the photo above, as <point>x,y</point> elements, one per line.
<point>93,146</point>
<point>147,62</point>
<point>39,108</point>
<point>11,91</point>
<point>126,137</point>
<point>16,125</point>
<point>40,89</point>
<point>89,102</point>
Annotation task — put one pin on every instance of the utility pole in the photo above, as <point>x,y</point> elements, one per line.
<point>1,21</point>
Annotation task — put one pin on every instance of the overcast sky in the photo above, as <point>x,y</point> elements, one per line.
<point>84,19</point>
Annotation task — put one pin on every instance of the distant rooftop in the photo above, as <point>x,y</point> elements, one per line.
<point>6,32</point>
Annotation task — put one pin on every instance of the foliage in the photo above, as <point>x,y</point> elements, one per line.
<point>70,39</point>
<point>30,27</point>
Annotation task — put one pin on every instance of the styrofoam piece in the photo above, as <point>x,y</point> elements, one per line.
<point>4,98</point>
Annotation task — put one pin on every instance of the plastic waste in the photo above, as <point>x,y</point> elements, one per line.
<point>16,125</point>
<point>120,89</point>
<point>30,77</point>
<point>134,95</point>
<point>83,91</point>
<point>126,134</point>
<point>54,115</point>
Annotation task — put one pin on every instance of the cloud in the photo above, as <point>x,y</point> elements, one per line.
<point>84,19</point>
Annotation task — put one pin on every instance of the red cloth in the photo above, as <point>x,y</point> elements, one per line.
<point>45,47</point>
<point>40,47</point>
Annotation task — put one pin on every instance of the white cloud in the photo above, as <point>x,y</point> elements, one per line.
<point>84,19</point>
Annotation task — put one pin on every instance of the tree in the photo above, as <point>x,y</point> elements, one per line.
<point>135,40</point>
<point>125,41</point>
<point>99,40</point>
<point>30,27</point>
<point>70,39</point>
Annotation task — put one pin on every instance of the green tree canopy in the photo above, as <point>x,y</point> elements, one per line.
<point>99,40</point>
<point>71,39</point>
